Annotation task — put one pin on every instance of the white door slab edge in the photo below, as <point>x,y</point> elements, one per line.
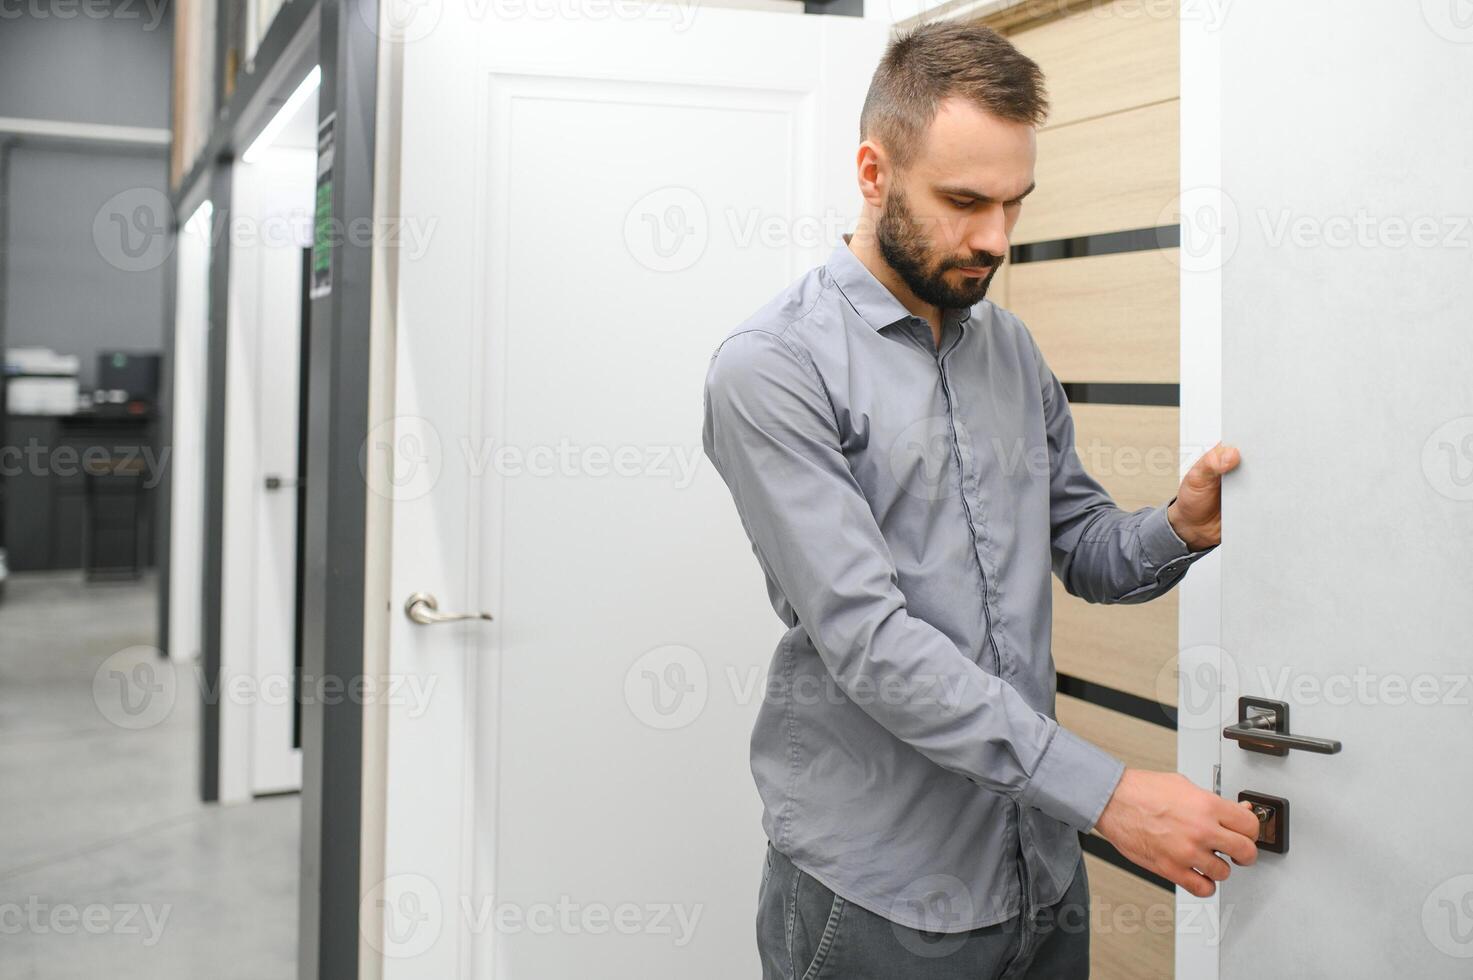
<point>1199,744</point>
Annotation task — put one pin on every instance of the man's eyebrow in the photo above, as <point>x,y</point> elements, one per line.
<point>952,190</point>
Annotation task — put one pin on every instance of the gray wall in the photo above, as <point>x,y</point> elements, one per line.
<point>112,69</point>
<point>66,287</point>
<point>63,290</point>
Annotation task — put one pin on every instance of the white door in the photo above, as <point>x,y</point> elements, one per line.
<point>270,224</point>
<point>1347,563</point>
<point>583,206</point>
<point>187,487</point>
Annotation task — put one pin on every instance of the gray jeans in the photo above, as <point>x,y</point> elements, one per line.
<point>806,932</point>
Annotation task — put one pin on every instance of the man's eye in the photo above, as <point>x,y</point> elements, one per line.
<point>960,204</point>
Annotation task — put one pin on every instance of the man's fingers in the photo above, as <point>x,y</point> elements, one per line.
<point>1193,882</point>
<point>1225,458</point>
<point>1210,467</point>
<point>1239,819</point>
<point>1203,475</point>
<point>1213,866</point>
<point>1241,849</point>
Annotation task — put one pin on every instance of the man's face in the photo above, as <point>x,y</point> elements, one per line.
<point>947,217</point>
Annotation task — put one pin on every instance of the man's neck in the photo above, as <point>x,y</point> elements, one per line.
<point>865,248</point>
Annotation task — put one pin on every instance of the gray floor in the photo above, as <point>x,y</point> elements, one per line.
<point>109,864</point>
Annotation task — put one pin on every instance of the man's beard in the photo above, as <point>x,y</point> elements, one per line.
<point>907,250</point>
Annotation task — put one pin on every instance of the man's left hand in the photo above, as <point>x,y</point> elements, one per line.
<point>1196,514</point>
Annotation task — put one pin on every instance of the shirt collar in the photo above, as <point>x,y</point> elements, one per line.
<point>870,298</point>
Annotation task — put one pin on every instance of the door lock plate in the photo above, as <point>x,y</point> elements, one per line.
<point>1272,715</point>
<point>1273,820</point>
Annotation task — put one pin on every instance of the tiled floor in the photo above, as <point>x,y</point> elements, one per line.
<point>109,864</point>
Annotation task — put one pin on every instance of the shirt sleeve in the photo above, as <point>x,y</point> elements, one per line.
<point>1100,552</point>
<point>771,434</point>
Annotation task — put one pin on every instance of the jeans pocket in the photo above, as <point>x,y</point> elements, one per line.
<point>817,914</point>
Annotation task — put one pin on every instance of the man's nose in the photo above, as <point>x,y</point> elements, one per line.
<point>989,235</point>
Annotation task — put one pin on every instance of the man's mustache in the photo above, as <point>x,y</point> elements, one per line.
<point>986,261</point>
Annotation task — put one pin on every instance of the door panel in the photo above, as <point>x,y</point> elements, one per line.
<point>1139,743</point>
<point>1105,58</point>
<point>1084,192</point>
<point>1112,318</point>
<point>270,205</point>
<point>1130,647</point>
<point>1132,933</point>
<point>276,760</point>
<point>601,575</point>
<point>1346,569</point>
<point>609,198</point>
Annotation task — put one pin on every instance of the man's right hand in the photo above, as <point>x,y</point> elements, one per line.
<point>1167,824</point>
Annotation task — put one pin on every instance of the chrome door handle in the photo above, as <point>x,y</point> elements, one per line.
<point>424,609</point>
<point>1263,726</point>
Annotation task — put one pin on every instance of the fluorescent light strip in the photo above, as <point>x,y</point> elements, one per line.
<point>284,115</point>
<point>199,222</point>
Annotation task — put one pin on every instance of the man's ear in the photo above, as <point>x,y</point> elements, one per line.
<point>873,169</point>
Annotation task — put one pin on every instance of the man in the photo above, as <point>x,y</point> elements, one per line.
<point>903,461</point>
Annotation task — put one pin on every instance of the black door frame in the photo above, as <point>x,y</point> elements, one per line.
<point>334,34</point>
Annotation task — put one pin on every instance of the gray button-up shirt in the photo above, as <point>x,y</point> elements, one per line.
<point>906,502</point>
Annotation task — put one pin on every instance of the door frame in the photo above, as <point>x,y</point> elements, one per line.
<point>336,640</point>
<point>335,34</point>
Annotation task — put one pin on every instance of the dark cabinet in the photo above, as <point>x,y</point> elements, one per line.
<point>79,491</point>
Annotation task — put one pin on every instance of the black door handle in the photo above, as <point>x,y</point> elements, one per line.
<point>1263,726</point>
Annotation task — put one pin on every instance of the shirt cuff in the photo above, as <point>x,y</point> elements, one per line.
<point>1159,540</point>
<point>1073,780</point>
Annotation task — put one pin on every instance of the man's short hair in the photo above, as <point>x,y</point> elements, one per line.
<point>937,61</point>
